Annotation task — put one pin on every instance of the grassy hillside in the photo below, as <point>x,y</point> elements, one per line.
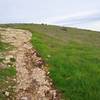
<point>73,58</point>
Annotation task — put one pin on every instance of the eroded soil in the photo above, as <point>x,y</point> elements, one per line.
<point>32,79</point>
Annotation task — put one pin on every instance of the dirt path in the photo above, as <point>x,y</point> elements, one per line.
<point>33,82</point>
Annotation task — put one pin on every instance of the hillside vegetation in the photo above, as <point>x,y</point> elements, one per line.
<point>72,56</point>
<point>7,73</point>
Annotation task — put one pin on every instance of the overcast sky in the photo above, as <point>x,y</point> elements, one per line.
<point>75,13</point>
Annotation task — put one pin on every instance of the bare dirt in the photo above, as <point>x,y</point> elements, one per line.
<point>32,79</point>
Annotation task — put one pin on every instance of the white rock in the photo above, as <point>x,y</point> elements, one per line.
<point>24,98</point>
<point>7,93</point>
<point>48,73</point>
<point>9,56</point>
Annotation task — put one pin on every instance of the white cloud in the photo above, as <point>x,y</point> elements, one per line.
<point>86,20</point>
<point>71,16</point>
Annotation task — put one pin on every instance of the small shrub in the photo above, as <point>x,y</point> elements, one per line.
<point>64,28</point>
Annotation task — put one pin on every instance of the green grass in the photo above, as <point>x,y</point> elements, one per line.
<point>74,61</point>
<point>6,82</point>
<point>4,46</point>
<point>75,68</point>
<point>6,74</point>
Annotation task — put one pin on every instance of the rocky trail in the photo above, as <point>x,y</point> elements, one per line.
<point>32,79</point>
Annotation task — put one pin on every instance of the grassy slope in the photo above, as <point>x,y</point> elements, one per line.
<point>6,74</point>
<point>73,56</point>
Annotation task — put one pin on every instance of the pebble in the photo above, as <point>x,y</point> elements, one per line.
<point>7,93</point>
<point>24,98</point>
<point>48,73</point>
<point>14,79</point>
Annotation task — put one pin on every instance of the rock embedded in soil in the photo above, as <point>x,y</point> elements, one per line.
<point>6,93</point>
